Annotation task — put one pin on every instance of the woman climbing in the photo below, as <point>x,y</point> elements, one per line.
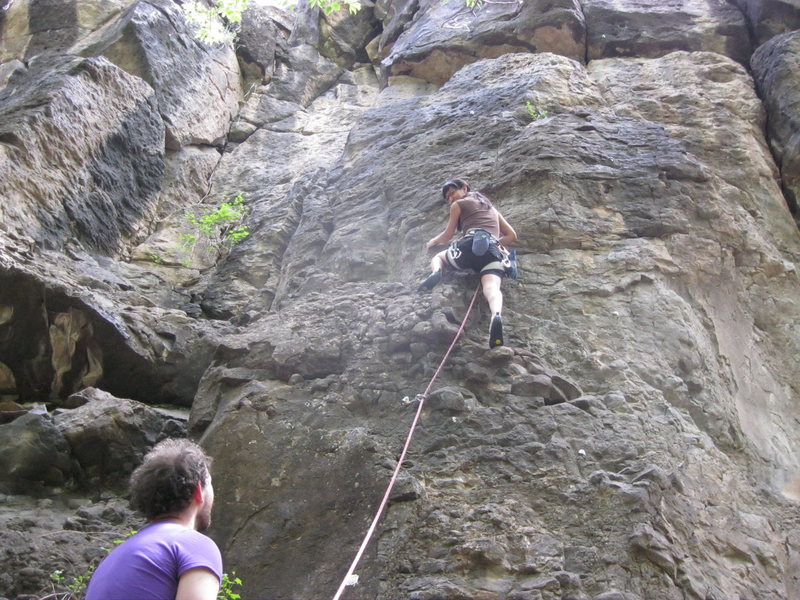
<point>481,247</point>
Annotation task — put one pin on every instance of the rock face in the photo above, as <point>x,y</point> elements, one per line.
<point>33,27</point>
<point>441,37</point>
<point>776,68</point>
<point>769,18</point>
<point>634,28</point>
<point>80,182</point>
<point>636,436</point>
<point>197,88</point>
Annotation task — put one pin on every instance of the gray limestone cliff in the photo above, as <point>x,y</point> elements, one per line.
<point>637,436</point>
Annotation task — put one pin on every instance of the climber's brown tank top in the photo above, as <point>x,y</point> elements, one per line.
<point>477,212</point>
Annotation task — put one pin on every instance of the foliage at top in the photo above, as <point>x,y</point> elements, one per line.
<point>217,24</point>
<point>331,6</point>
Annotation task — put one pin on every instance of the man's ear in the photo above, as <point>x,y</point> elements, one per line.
<point>199,493</point>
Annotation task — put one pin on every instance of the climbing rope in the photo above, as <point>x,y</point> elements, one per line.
<point>350,578</point>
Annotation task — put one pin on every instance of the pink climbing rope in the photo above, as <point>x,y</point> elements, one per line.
<point>385,501</point>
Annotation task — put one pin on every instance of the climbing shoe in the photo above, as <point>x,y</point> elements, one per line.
<point>512,268</point>
<point>496,331</point>
<point>431,280</point>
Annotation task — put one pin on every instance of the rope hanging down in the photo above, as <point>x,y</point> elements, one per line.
<point>349,577</point>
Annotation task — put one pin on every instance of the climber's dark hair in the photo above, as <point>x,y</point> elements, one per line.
<point>453,183</point>
<point>166,479</point>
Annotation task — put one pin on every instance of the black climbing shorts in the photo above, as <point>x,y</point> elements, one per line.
<point>460,256</point>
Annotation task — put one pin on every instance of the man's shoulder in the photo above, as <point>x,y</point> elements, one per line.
<point>194,541</point>
<point>187,535</point>
<point>173,533</point>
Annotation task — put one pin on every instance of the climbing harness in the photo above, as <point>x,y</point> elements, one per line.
<point>351,578</point>
<point>482,242</point>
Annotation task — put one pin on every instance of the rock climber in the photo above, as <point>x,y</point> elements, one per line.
<point>169,558</point>
<point>481,247</point>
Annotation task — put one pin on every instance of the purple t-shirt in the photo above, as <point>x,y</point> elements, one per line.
<point>148,565</point>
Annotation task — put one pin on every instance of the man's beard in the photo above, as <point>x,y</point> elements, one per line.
<point>203,520</point>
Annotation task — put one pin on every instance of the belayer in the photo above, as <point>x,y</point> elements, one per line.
<point>168,559</point>
<point>481,247</point>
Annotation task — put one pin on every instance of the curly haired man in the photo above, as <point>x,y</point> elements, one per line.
<point>169,558</point>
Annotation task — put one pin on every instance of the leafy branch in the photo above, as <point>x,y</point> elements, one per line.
<point>332,6</point>
<point>220,226</point>
<point>224,223</point>
<point>216,24</point>
<point>226,591</point>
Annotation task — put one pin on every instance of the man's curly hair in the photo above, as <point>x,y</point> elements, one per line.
<point>166,479</point>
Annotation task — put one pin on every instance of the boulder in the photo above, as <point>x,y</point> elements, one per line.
<point>10,410</point>
<point>35,454</point>
<point>124,429</point>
